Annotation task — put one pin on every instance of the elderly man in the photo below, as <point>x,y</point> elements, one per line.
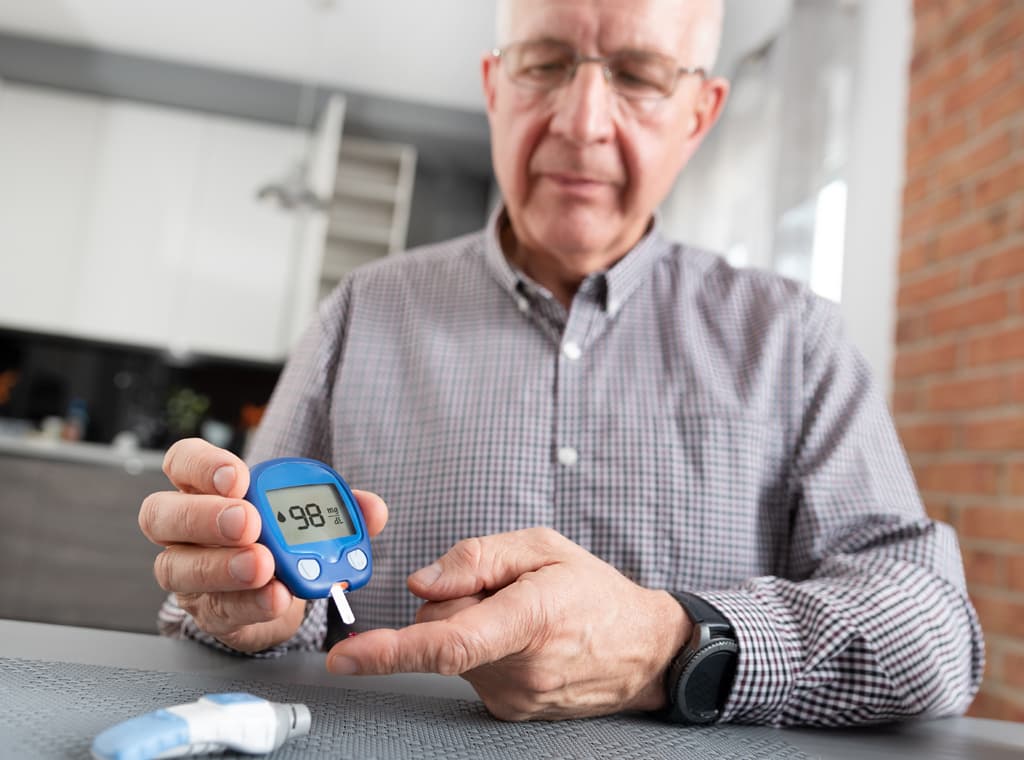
<point>618,467</point>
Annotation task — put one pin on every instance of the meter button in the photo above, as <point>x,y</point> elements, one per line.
<point>309,569</point>
<point>357,558</point>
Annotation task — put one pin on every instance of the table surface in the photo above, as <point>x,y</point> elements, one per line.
<point>951,738</point>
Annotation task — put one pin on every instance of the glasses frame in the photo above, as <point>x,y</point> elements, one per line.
<point>578,60</point>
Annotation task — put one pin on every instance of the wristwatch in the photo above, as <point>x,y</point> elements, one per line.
<point>699,678</point>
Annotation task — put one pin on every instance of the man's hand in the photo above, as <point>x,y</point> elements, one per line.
<point>221,576</point>
<point>541,628</point>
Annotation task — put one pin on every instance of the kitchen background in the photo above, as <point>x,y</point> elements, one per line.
<point>180,183</point>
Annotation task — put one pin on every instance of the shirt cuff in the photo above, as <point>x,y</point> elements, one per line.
<point>769,656</point>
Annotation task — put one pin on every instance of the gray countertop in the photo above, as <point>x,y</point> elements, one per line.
<point>132,460</point>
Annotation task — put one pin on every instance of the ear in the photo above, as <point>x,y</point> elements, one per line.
<point>489,73</point>
<point>709,105</point>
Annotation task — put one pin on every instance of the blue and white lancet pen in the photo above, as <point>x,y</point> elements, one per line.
<point>217,722</point>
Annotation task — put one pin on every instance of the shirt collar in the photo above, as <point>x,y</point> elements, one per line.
<point>615,284</point>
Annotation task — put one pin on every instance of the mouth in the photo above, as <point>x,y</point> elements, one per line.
<point>577,183</point>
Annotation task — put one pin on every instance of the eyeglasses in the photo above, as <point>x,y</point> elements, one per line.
<point>547,65</point>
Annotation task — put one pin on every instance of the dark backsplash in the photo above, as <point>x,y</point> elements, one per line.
<point>115,388</point>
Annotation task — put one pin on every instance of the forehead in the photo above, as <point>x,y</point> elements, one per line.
<point>606,25</point>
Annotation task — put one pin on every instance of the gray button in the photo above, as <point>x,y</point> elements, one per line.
<point>309,569</point>
<point>357,558</point>
<point>572,350</point>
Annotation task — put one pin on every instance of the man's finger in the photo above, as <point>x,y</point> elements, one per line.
<point>442,610</point>
<point>171,517</point>
<point>194,569</point>
<point>497,627</point>
<point>195,466</point>
<point>488,563</point>
<point>374,510</point>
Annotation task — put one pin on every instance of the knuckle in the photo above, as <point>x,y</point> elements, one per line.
<point>469,552</point>
<point>457,653</point>
<point>147,515</point>
<point>163,570</point>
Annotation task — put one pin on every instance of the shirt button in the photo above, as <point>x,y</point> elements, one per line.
<point>568,456</point>
<point>523,304</point>
<point>572,350</point>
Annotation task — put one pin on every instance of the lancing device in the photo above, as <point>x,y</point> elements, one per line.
<point>313,526</point>
<point>217,722</point>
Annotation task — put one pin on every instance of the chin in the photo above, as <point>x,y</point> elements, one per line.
<point>576,231</point>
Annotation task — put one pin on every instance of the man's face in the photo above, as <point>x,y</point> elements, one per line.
<point>581,168</point>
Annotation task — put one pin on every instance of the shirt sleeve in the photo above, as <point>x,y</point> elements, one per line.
<point>872,621</point>
<point>296,423</point>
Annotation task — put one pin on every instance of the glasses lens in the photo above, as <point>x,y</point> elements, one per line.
<point>642,75</point>
<point>541,65</point>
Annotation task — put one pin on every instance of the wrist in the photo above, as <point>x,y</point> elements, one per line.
<point>673,630</point>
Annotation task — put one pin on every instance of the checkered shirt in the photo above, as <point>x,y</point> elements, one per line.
<point>699,427</point>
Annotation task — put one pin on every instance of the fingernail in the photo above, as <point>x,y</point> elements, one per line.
<point>342,666</point>
<point>231,522</point>
<point>223,479</point>
<point>427,575</point>
<point>243,567</point>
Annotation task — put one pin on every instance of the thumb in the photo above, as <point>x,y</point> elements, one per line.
<point>488,563</point>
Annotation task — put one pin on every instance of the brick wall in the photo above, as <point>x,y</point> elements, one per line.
<point>958,394</point>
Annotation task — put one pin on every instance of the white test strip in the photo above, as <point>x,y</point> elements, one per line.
<point>341,601</point>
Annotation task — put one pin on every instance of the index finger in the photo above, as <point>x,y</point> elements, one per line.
<point>196,466</point>
<point>492,630</point>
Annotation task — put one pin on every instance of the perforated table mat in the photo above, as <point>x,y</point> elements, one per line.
<point>54,709</point>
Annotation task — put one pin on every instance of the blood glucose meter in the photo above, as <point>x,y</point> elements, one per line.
<point>313,526</point>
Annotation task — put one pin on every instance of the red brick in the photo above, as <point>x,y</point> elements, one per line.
<point>1013,669</point>
<point>993,523</point>
<point>980,310</point>
<point>945,140</point>
<point>929,288</point>
<point>1016,387</point>
<point>996,706</point>
<point>939,77</point>
<point>931,436</point>
<point>973,235</point>
<point>1017,479</point>
<point>994,150</point>
<point>968,394</point>
<point>1015,572</point>
<point>997,72</point>
<point>958,477</point>
<point>913,258</point>
<point>984,567</point>
<point>1002,346</point>
<point>1006,34</point>
<point>999,266</point>
<point>999,615</point>
<point>925,361</point>
<point>1000,186</point>
<point>1009,103</point>
<point>995,435</point>
<point>910,329</point>
<point>941,511</point>
<point>905,400</point>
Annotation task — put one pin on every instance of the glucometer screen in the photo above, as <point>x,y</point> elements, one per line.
<point>310,513</point>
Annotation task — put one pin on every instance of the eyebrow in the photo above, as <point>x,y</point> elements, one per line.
<point>629,50</point>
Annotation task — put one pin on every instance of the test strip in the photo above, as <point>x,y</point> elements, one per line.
<point>341,602</point>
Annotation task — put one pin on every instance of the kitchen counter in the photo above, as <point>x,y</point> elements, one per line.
<point>132,460</point>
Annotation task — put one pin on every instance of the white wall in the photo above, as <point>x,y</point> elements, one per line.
<point>876,175</point>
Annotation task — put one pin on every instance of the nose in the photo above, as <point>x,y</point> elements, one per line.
<point>583,108</point>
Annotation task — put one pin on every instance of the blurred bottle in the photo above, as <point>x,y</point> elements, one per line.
<point>76,420</point>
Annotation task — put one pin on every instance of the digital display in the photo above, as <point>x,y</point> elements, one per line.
<point>306,514</point>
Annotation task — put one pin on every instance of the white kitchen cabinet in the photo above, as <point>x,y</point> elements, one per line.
<point>137,223</point>
<point>46,166</point>
<point>126,222</point>
<point>232,294</point>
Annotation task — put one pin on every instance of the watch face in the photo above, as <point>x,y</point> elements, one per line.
<point>705,682</point>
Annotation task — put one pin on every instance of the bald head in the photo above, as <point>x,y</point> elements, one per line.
<point>704,27</point>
